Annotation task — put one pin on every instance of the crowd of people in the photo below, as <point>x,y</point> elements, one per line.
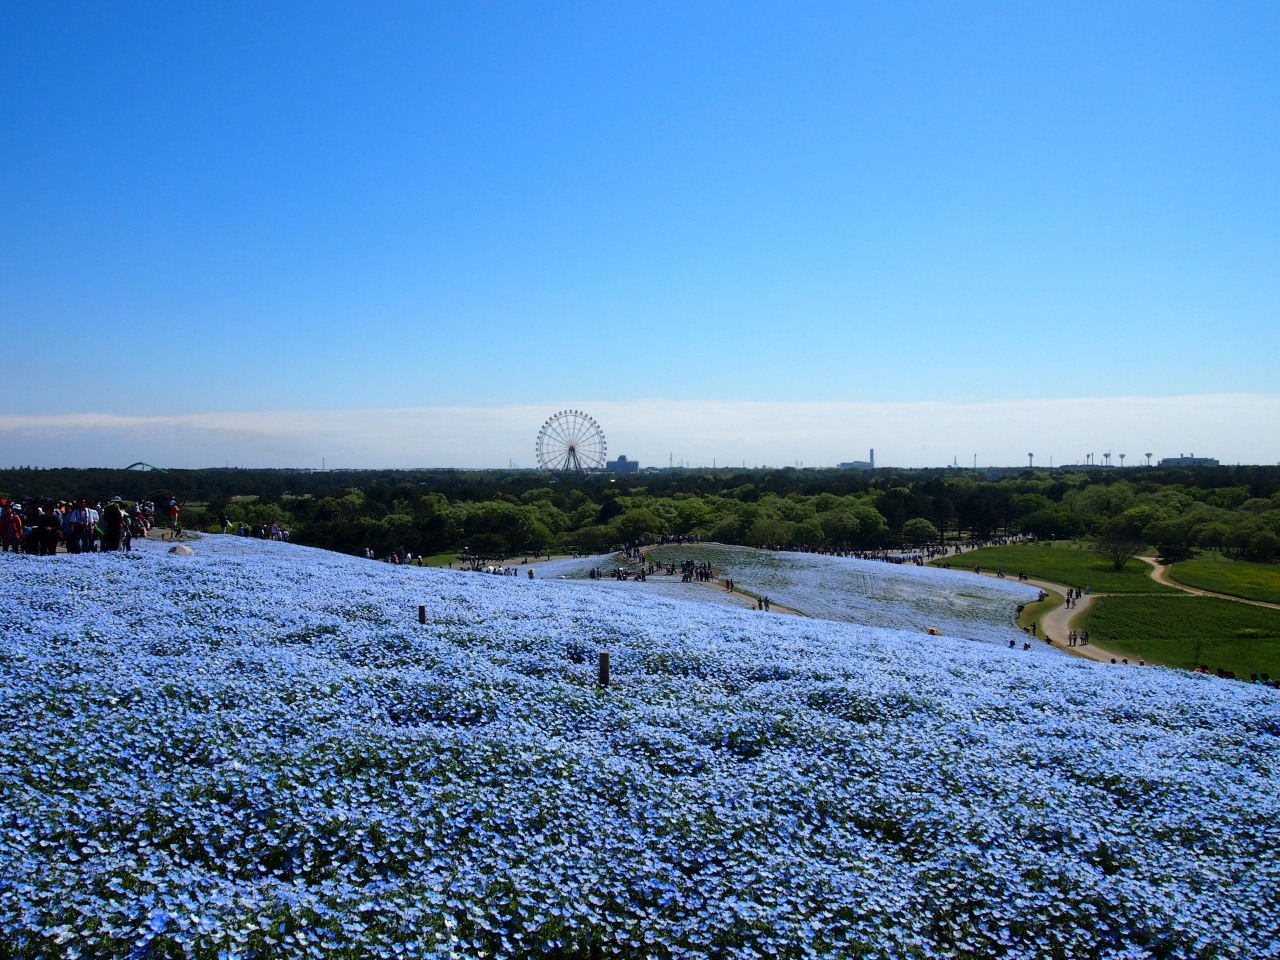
<point>261,531</point>
<point>501,571</point>
<point>623,573</point>
<point>691,572</point>
<point>42,526</point>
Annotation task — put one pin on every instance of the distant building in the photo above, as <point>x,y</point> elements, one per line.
<point>861,464</point>
<point>622,465</point>
<point>1191,461</point>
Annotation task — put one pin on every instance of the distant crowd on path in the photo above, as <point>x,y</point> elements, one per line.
<point>404,557</point>
<point>395,556</point>
<point>501,571</point>
<point>259,531</point>
<point>621,573</point>
<point>41,526</point>
<point>692,572</point>
<point>968,545</point>
<point>918,556</point>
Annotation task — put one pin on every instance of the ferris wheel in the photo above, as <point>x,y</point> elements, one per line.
<point>570,446</point>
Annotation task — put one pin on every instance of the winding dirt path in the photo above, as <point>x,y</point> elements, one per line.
<point>1056,624</point>
<point>746,598</point>
<point>1160,574</point>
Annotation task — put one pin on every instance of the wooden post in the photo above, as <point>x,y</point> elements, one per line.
<point>603,678</point>
<point>422,614</point>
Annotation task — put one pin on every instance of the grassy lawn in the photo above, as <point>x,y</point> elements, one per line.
<point>1036,611</point>
<point>1062,563</point>
<point>441,560</point>
<point>1253,581</point>
<point>1184,631</point>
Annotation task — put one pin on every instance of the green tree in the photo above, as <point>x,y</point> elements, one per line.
<point>808,534</point>
<point>728,530</point>
<point>1053,522</point>
<point>855,527</point>
<point>1132,522</point>
<point>767,532</point>
<point>636,524</point>
<point>1120,550</point>
<point>592,539</point>
<point>1263,546</point>
<point>918,531</point>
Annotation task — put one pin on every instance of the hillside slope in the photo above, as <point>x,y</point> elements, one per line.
<point>259,750</point>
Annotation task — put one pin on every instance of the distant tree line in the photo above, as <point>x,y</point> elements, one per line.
<point>506,513</point>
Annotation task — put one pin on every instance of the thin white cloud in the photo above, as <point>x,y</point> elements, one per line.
<point>1232,427</point>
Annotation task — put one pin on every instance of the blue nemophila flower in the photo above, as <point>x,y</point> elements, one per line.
<point>296,767</point>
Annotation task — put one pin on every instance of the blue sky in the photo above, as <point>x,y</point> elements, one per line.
<point>276,207</point>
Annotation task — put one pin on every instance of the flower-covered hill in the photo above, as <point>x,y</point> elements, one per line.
<point>259,751</point>
<point>875,594</point>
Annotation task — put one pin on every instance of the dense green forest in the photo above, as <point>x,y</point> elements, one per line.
<point>505,513</point>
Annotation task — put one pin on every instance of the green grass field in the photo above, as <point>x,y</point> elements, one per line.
<point>1185,631</point>
<point>1063,563</point>
<point>1035,611</point>
<point>1253,581</point>
<point>441,560</point>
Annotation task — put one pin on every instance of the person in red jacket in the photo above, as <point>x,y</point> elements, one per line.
<point>10,529</point>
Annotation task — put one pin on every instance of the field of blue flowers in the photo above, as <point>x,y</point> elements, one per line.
<point>259,752</point>
<point>869,592</point>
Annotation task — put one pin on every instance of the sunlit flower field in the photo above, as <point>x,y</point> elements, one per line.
<point>869,592</point>
<point>259,751</point>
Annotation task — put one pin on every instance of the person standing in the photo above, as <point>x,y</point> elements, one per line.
<point>79,523</point>
<point>10,529</point>
<point>113,529</point>
<point>49,529</point>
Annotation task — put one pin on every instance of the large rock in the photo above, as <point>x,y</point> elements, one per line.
<point>182,550</point>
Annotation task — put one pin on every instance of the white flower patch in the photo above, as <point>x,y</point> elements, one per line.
<point>259,751</point>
